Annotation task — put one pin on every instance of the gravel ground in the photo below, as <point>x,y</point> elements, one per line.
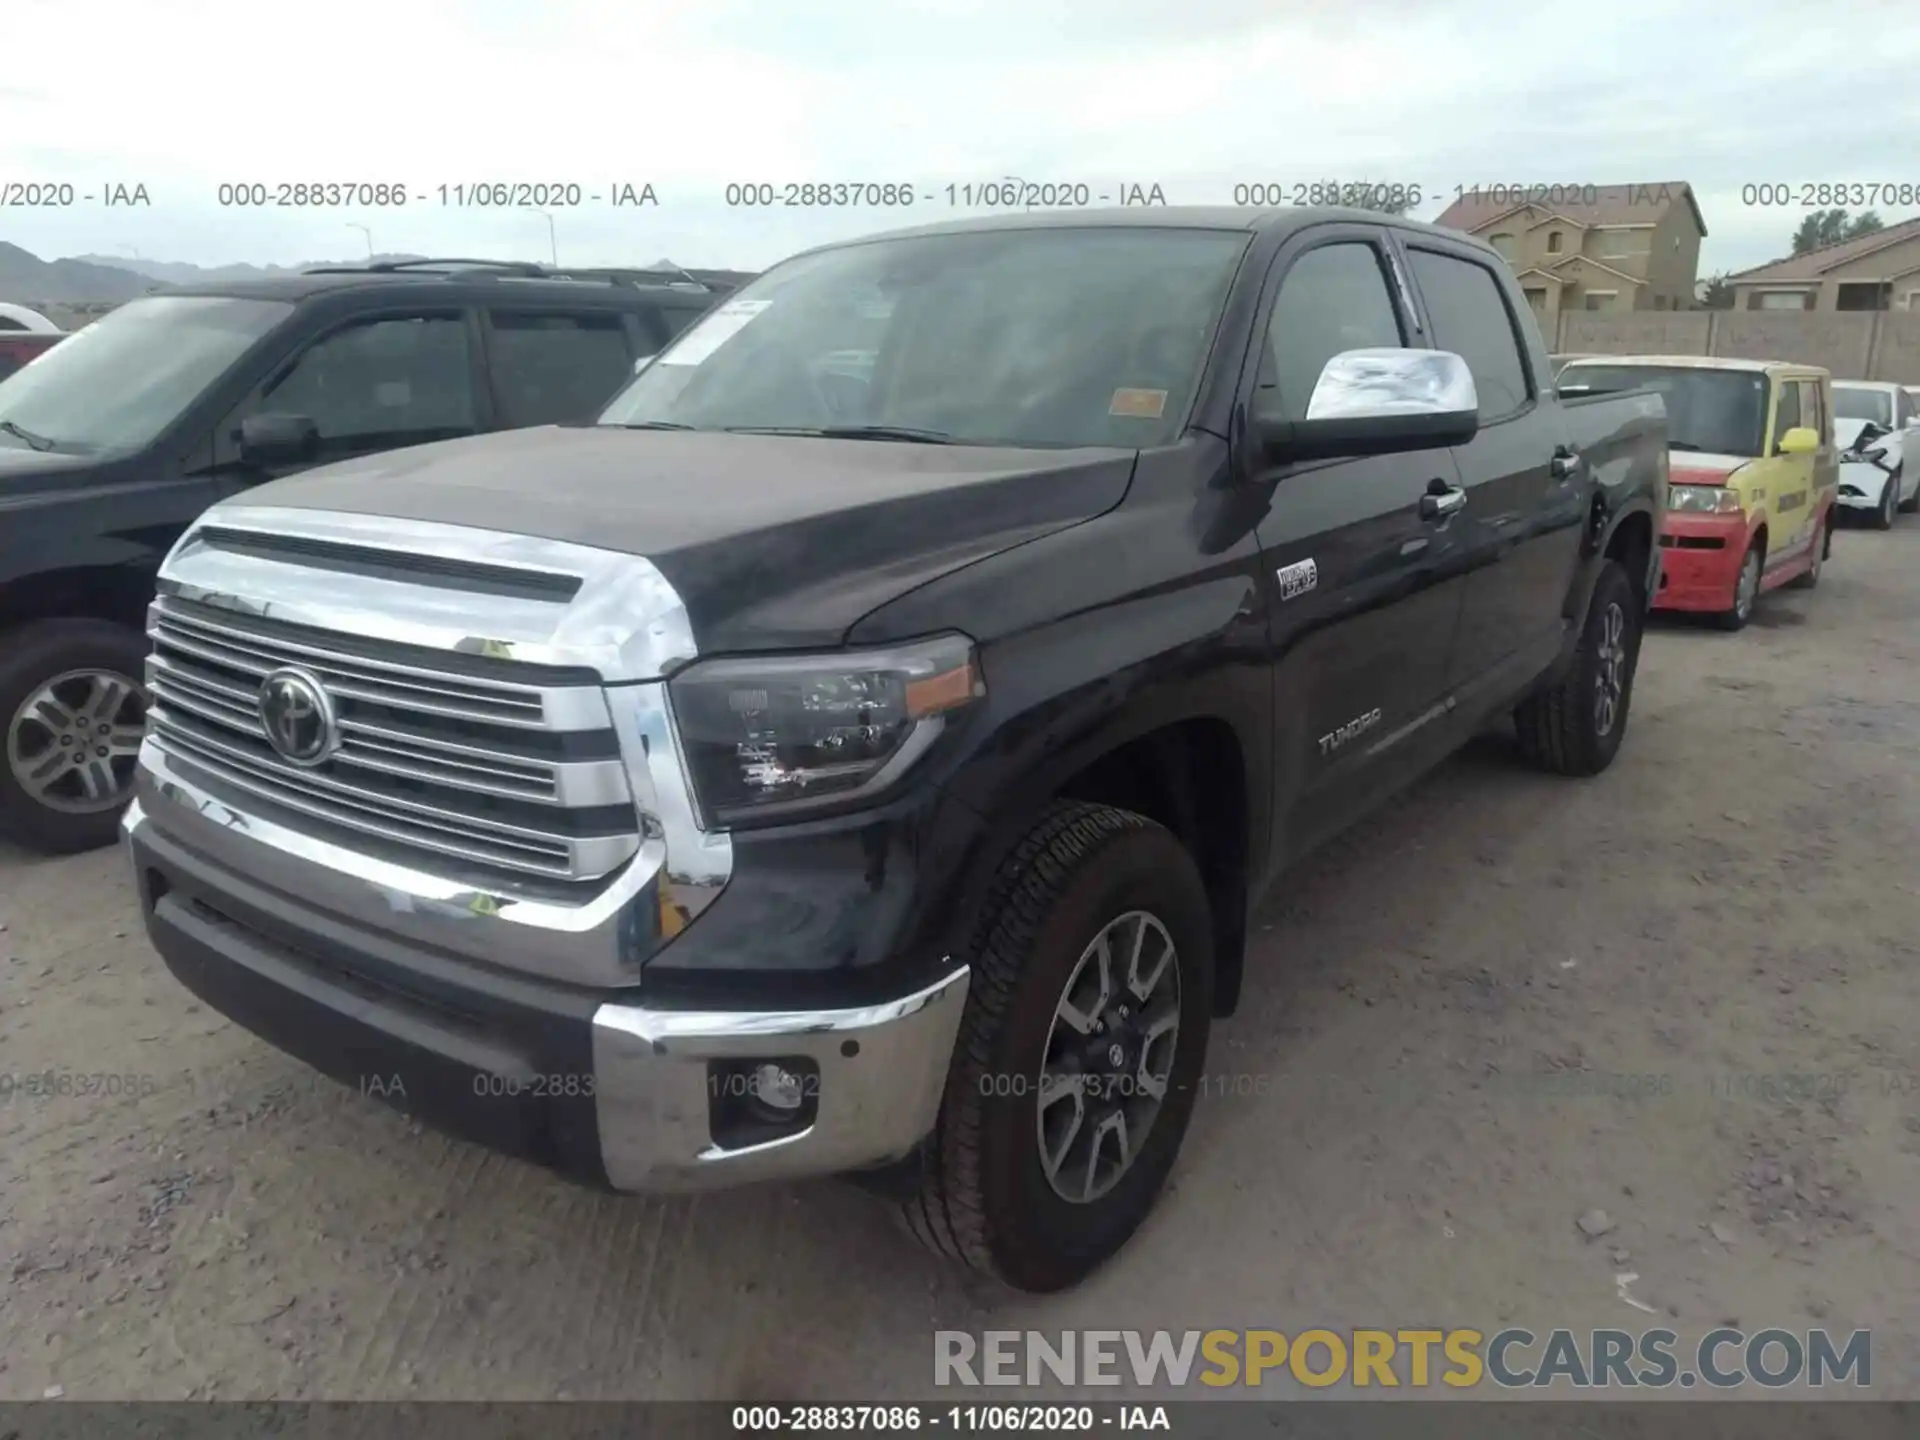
<point>1684,993</point>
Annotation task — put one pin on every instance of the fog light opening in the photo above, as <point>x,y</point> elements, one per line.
<point>777,1092</point>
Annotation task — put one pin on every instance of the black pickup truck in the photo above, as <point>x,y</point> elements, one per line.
<point>860,752</point>
<point>114,441</point>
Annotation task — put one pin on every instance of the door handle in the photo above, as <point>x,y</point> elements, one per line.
<point>1441,500</point>
<point>1565,461</point>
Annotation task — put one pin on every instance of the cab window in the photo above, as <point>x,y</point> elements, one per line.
<point>1813,409</point>
<point>1786,410</point>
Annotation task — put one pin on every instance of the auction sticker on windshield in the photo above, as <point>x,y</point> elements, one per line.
<point>1138,404</point>
<point>714,331</point>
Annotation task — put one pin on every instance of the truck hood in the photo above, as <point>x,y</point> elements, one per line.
<point>26,475</point>
<point>773,542</point>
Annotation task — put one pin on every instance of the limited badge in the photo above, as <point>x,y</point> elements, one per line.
<point>1297,578</point>
<point>1139,404</point>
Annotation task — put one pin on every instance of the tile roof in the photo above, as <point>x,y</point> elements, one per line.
<point>1612,204</point>
<point>1815,263</point>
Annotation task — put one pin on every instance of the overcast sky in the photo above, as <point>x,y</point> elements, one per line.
<point>1192,95</point>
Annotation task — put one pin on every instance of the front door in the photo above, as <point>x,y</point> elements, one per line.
<point>374,383</point>
<point>1360,604</point>
<point>1786,481</point>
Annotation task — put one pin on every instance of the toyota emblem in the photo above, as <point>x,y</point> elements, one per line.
<point>298,716</point>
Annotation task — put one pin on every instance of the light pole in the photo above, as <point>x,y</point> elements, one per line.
<point>366,232</point>
<point>553,245</point>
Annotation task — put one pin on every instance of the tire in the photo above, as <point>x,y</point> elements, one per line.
<point>1822,547</point>
<point>1746,591</point>
<point>980,1192</point>
<point>1882,518</point>
<point>1564,729</point>
<point>55,666</point>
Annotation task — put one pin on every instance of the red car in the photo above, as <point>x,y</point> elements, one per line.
<point>17,347</point>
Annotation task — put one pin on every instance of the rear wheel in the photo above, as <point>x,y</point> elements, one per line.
<point>1575,728</point>
<point>1822,544</point>
<point>1746,589</point>
<point>74,709</point>
<point>1882,518</point>
<point>1074,1073</point>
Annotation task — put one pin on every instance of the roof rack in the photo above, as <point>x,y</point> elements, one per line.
<point>672,276</point>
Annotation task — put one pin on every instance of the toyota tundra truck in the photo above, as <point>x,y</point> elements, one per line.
<point>859,752</point>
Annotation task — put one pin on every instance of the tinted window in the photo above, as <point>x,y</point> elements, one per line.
<point>1044,337</point>
<point>1469,316</point>
<point>1786,411</point>
<point>548,368</point>
<point>1850,402</point>
<point>1717,412</point>
<point>117,383</point>
<point>396,380</point>
<point>1332,299</point>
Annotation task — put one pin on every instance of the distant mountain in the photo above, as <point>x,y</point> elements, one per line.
<point>26,279</point>
<point>179,272</point>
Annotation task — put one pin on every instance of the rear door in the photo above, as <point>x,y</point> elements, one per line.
<point>1360,604</point>
<point>1526,496</point>
<point>550,365</point>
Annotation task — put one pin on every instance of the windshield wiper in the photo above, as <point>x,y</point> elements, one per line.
<point>849,432</point>
<point>1681,445</point>
<point>35,442</point>
<point>655,425</point>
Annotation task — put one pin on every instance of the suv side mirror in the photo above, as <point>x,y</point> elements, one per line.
<point>267,440</point>
<point>1379,402</point>
<point>1800,440</point>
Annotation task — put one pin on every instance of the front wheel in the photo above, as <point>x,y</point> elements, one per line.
<point>74,709</point>
<point>1074,1073</point>
<point>1576,726</point>
<point>1746,590</point>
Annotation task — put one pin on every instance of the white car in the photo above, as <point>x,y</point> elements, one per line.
<point>1875,425</point>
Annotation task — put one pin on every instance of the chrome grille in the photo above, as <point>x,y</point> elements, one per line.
<point>509,774</point>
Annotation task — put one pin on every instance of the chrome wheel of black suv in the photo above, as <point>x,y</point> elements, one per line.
<point>1076,1067</point>
<point>1575,727</point>
<point>73,709</point>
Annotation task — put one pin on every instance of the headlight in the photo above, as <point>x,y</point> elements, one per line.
<point>770,737</point>
<point>1703,499</point>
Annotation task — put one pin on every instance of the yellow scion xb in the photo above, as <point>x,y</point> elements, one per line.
<point>1752,470</point>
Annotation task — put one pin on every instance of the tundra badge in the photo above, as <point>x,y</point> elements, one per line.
<point>1297,578</point>
<point>1352,730</point>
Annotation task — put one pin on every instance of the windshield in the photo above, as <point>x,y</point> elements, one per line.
<point>1850,402</point>
<point>1037,337</point>
<point>123,379</point>
<point>1716,412</point>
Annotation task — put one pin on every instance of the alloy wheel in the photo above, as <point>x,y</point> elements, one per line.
<point>1109,1057</point>
<point>72,743</point>
<point>1610,678</point>
<point>1748,586</point>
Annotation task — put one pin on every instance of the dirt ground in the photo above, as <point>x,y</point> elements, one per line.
<point>1685,993</point>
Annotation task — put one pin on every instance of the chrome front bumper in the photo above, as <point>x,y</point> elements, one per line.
<point>620,1094</point>
<point>882,1069</point>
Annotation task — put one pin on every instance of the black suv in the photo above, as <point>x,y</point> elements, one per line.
<point>134,425</point>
